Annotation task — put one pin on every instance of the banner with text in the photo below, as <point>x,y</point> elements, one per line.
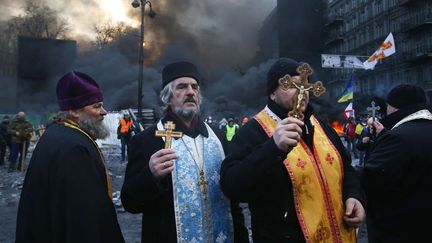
<point>341,61</point>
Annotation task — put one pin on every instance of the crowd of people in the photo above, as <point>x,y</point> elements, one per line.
<point>187,175</point>
<point>15,136</point>
<point>359,135</point>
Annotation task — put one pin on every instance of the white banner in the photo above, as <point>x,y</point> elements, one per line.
<point>341,61</point>
<point>386,49</point>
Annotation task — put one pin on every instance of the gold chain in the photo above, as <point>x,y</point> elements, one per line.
<point>74,125</point>
<point>202,181</point>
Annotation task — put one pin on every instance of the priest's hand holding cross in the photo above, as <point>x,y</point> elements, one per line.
<point>161,163</point>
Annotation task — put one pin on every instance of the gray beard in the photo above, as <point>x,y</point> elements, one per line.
<point>96,129</point>
<point>186,114</point>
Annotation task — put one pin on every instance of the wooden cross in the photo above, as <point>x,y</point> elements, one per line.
<point>288,82</point>
<point>203,184</point>
<point>168,134</point>
<point>373,109</point>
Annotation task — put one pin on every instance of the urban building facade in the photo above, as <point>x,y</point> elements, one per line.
<point>305,30</point>
<point>358,27</point>
<point>299,27</point>
<point>293,29</point>
<point>268,39</point>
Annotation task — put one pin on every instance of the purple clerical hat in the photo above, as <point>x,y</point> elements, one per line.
<point>76,90</point>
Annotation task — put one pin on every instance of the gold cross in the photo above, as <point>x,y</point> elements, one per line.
<point>203,184</point>
<point>287,82</point>
<point>168,134</point>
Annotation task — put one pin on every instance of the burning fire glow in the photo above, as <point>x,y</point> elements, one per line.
<point>117,11</point>
<point>338,127</point>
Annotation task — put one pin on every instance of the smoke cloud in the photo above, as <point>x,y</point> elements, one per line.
<point>217,33</point>
<point>219,36</point>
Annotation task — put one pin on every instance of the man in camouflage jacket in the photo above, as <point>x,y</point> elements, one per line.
<point>20,129</point>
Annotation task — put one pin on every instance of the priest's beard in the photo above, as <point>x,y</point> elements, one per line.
<point>94,127</point>
<point>187,114</point>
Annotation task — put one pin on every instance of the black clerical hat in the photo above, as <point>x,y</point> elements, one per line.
<point>279,69</point>
<point>406,95</point>
<point>177,70</point>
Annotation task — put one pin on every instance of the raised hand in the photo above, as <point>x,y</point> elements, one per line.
<point>288,133</point>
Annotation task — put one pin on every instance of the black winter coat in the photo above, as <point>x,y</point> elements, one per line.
<point>142,193</point>
<point>65,197</point>
<point>254,172</point>
<point>398,182</point>
<point>4,135</point>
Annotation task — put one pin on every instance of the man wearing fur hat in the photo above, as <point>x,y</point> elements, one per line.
<point>66,195</point>
<point>177,189</point>
<point>397,175</point>
<point>296,175</point>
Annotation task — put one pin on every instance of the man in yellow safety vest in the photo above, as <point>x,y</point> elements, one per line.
<point>230,129</point>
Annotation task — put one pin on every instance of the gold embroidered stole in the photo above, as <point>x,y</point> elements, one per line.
<point>74,125</point>
<point>317,185</point>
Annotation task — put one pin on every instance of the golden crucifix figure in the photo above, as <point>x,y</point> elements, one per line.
<point>169,133</point>
<point>302,85</point>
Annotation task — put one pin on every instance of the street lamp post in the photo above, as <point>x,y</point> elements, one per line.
<point>151,14</point>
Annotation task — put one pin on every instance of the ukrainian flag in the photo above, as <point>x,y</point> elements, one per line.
<point>349,91</point>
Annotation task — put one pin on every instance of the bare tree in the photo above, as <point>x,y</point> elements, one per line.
<point>108,32</point>
<point>39,21</point>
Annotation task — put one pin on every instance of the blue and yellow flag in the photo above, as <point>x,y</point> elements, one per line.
<point>349,90</point>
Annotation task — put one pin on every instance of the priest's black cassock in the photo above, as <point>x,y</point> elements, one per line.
<point>142,193</point>
<point>65,194</point>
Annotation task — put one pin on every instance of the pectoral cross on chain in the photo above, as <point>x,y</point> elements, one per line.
<point>168,134</point>
<point>288,82</point>
<point>203,184</point>
<point>373,109</point>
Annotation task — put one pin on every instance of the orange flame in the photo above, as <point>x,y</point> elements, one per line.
<point>338,127</point>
